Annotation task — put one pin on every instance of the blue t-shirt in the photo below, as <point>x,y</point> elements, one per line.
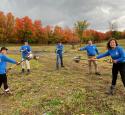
<point>59,48</point>
<point>117,54</point>
<point>91,50</point>
<point>26,49</point>
<point>3,63</point>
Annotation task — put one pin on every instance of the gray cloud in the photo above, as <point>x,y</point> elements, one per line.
<point>66,12</point>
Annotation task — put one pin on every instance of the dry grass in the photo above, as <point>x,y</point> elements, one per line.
<point>68,91</point>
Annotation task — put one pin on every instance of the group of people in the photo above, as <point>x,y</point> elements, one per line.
<point>114,50</point>
<point>117,54</point>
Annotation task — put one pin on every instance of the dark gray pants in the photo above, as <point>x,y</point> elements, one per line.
<point>3,80</point>
<point>118,67</point>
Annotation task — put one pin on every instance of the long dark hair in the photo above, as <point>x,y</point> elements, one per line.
<point>108,44</point>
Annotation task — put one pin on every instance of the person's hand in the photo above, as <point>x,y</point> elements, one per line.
<point>55,51</point>
<point>17,63</point>
<point>93,59</point>
<point>9,69</point>
<point>23,50</point>
<point>79,49</point>
<point>114,61</point>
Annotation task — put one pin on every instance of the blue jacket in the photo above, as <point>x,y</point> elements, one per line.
<point>117,54</point>
<point>3,63</point>
<point>91,50</point>
<point>25,50</point>
<point>59,48</point>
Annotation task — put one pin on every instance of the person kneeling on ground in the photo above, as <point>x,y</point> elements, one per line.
<point>3,64</point>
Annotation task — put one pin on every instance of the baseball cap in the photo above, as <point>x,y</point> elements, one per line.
<point>3,48</point>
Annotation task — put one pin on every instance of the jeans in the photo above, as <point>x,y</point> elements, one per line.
<point>59,59</point>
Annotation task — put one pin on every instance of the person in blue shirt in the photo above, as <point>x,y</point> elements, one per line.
<point>117,54</point>
<point>59,54</point>
<point>92,51</point>
<point>25,51</point>
<point>3,65</point>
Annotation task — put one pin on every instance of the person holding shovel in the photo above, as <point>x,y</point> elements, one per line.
<point>117,54</point>
<point>25,50</point>
<point>92,51</point>
<point>3,65</point>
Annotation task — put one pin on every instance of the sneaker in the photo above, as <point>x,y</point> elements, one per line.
<point>28,71</point>
<point>7,92</point>
<point>62,66</point>
<point>97,73</point>
<point>111,90</point>
<point>22,71</point>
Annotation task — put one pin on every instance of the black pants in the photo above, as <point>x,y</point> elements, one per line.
<point>118,67</point>
<point>3,80</point>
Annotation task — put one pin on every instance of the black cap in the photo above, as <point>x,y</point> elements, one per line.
<point>25,40</point>
<point>3,48</point>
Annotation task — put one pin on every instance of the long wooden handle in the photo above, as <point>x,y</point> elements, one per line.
<point>14,66</point>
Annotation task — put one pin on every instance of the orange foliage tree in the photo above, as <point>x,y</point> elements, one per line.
<point>24,28</point>
<point>18,29</point>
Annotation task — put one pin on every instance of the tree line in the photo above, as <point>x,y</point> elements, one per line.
<point>16,30</point>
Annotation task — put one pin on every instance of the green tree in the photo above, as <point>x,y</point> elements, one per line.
<point>80,26</point>
<point>116,34</point>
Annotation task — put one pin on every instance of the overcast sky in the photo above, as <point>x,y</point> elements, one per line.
<point>66,12</point>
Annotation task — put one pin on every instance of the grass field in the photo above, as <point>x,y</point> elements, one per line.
<point>68,91</point>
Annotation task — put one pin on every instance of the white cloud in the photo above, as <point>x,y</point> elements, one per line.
<point>62,24</point>
<point>119,23</point>
<point>66,12</point>
<point>105,10</point>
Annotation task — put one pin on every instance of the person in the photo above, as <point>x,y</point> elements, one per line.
<point>92,51</point>
<point>59,54</point>
<point>117,54</point>
<point>25,50</point>
<point>3,65</point>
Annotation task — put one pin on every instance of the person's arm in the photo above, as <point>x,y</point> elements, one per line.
<point>29,50</point>
<point>82,48</point>
<point>103,55</point>
<point>122,54</point>
<point>6,59</point>
<point>56,49</point>
<point>21,49</point>
<point>96,50</point>
<point>62,48</point>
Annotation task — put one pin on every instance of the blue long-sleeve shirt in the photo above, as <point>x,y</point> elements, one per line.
<point>59,48</point>
<point>117,54</point>
<point>91,50</point>
<point>3,63</point>
<point>25,49</point>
